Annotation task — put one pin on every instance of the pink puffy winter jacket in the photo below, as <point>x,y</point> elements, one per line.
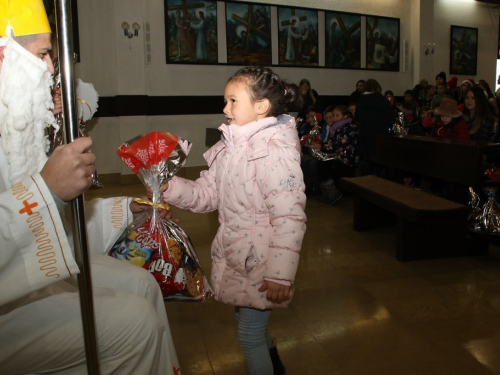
<point>255,181</point>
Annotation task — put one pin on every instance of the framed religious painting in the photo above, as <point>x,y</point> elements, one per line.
<point>248,34</point>
<point>382,43</point>
<point>191,32</point>
<point>342,40</point>
<point>463,50</point>
<point>298,37</point>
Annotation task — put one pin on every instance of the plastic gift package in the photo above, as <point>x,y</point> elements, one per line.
<point>485,212</point>
<point>156,244</point>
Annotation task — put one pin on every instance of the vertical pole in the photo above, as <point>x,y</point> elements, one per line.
<point>66,61</point>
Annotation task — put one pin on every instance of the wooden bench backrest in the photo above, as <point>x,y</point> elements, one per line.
<point>458,162</point>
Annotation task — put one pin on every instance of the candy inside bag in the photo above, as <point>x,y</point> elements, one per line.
<point>156,244</point>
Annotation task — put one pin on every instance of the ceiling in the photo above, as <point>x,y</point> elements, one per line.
<point>496,2</point>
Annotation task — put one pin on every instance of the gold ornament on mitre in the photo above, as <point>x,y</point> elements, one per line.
<point>23,17</point>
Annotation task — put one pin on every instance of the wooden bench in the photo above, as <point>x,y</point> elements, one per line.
<point>427,226</point>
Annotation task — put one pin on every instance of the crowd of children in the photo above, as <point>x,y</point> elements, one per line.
<point>445,110</point>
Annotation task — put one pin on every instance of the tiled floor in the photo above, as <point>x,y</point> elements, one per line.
<point>357,310</point>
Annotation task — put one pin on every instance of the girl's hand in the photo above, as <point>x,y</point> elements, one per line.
<point>316,145</point>
<point>163,188</point>
<point>276,293</point>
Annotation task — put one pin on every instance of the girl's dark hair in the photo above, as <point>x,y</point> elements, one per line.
<point>372,85</point>
<point>310,91</point>
<point>389,92</point>
<point>330,108</point>
<point>313,108</point>
<point>482,112</point>
<point>344,110</point>
<point>263,83</point>
<point>486,88</point>
<point>416,90</point>
<point>410,92</point>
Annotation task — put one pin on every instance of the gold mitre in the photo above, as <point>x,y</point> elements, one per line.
<point>23,17</point>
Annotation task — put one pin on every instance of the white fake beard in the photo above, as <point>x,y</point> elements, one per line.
<point>25,103</point>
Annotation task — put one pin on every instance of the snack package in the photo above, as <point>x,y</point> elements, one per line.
<point>159,245</point>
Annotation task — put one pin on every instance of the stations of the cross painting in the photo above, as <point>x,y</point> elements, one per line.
<point>345,32</point>
<point>371,29</point>
<point>251,27</point>
<point>301,19</point>
<point>185,7</point>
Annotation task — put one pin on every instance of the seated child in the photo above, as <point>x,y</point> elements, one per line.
<point>313,116</point>
<point>308,162</point>
<point>342,142</point>
<point>352,109</point>
<point>424,111</point>
<point>446,123</point>
<point>411,109</point>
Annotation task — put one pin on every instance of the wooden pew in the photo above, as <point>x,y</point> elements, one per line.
<point>457,164</point>
<point>428,226</point>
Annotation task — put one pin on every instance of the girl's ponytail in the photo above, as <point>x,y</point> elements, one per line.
<point>265,84</point>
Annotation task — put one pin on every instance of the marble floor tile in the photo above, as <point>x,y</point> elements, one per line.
<point>356,310</point>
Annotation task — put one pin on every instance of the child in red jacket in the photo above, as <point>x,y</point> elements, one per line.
<point>446,122</point>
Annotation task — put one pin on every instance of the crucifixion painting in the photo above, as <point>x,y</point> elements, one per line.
<point>248,34</point>
<point>463,50</point>
<point>342,40</point>
<point>382,43</point>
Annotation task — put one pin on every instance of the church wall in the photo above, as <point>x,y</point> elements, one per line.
<point>116,65</point>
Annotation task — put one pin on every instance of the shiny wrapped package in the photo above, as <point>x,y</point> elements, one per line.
<point>314,136</point>
<point>156,244</point>
<point>400,126</point>
<point>485,212</point>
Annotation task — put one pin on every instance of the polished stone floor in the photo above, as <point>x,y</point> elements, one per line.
<point>357,310</point>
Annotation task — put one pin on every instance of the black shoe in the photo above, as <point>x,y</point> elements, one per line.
<point>278,367</point>
<point>333,197</point>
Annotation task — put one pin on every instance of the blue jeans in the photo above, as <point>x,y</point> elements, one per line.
<point>254,339</point>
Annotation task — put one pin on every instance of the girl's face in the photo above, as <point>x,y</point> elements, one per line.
<point>337,115</point>
<point>470,102</point>
<point>352,109</point>
<point>329,118</point>
<point>446,119</point>
<point>304,88</point>
<point>239,108</point>
<point>408,98</point>
<point>310,117</point>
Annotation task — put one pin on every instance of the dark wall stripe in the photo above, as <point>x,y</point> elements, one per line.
<point>143,105</point>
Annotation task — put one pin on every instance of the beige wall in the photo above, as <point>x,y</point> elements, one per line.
<point>116,64</point>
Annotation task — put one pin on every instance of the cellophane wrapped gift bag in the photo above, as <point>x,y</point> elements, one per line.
<point>156,244</point>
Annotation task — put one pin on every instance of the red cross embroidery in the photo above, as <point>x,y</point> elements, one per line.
<point>27,208</point>
<point>177,370</point>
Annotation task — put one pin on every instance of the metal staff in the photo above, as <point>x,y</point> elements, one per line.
<point>66,61</point>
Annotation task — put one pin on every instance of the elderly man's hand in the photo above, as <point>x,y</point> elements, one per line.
<point>68,172</point>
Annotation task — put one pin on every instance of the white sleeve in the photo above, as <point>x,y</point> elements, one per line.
<point>35,251</point>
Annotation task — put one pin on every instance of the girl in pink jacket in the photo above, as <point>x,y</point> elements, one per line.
<point>255,182</point>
